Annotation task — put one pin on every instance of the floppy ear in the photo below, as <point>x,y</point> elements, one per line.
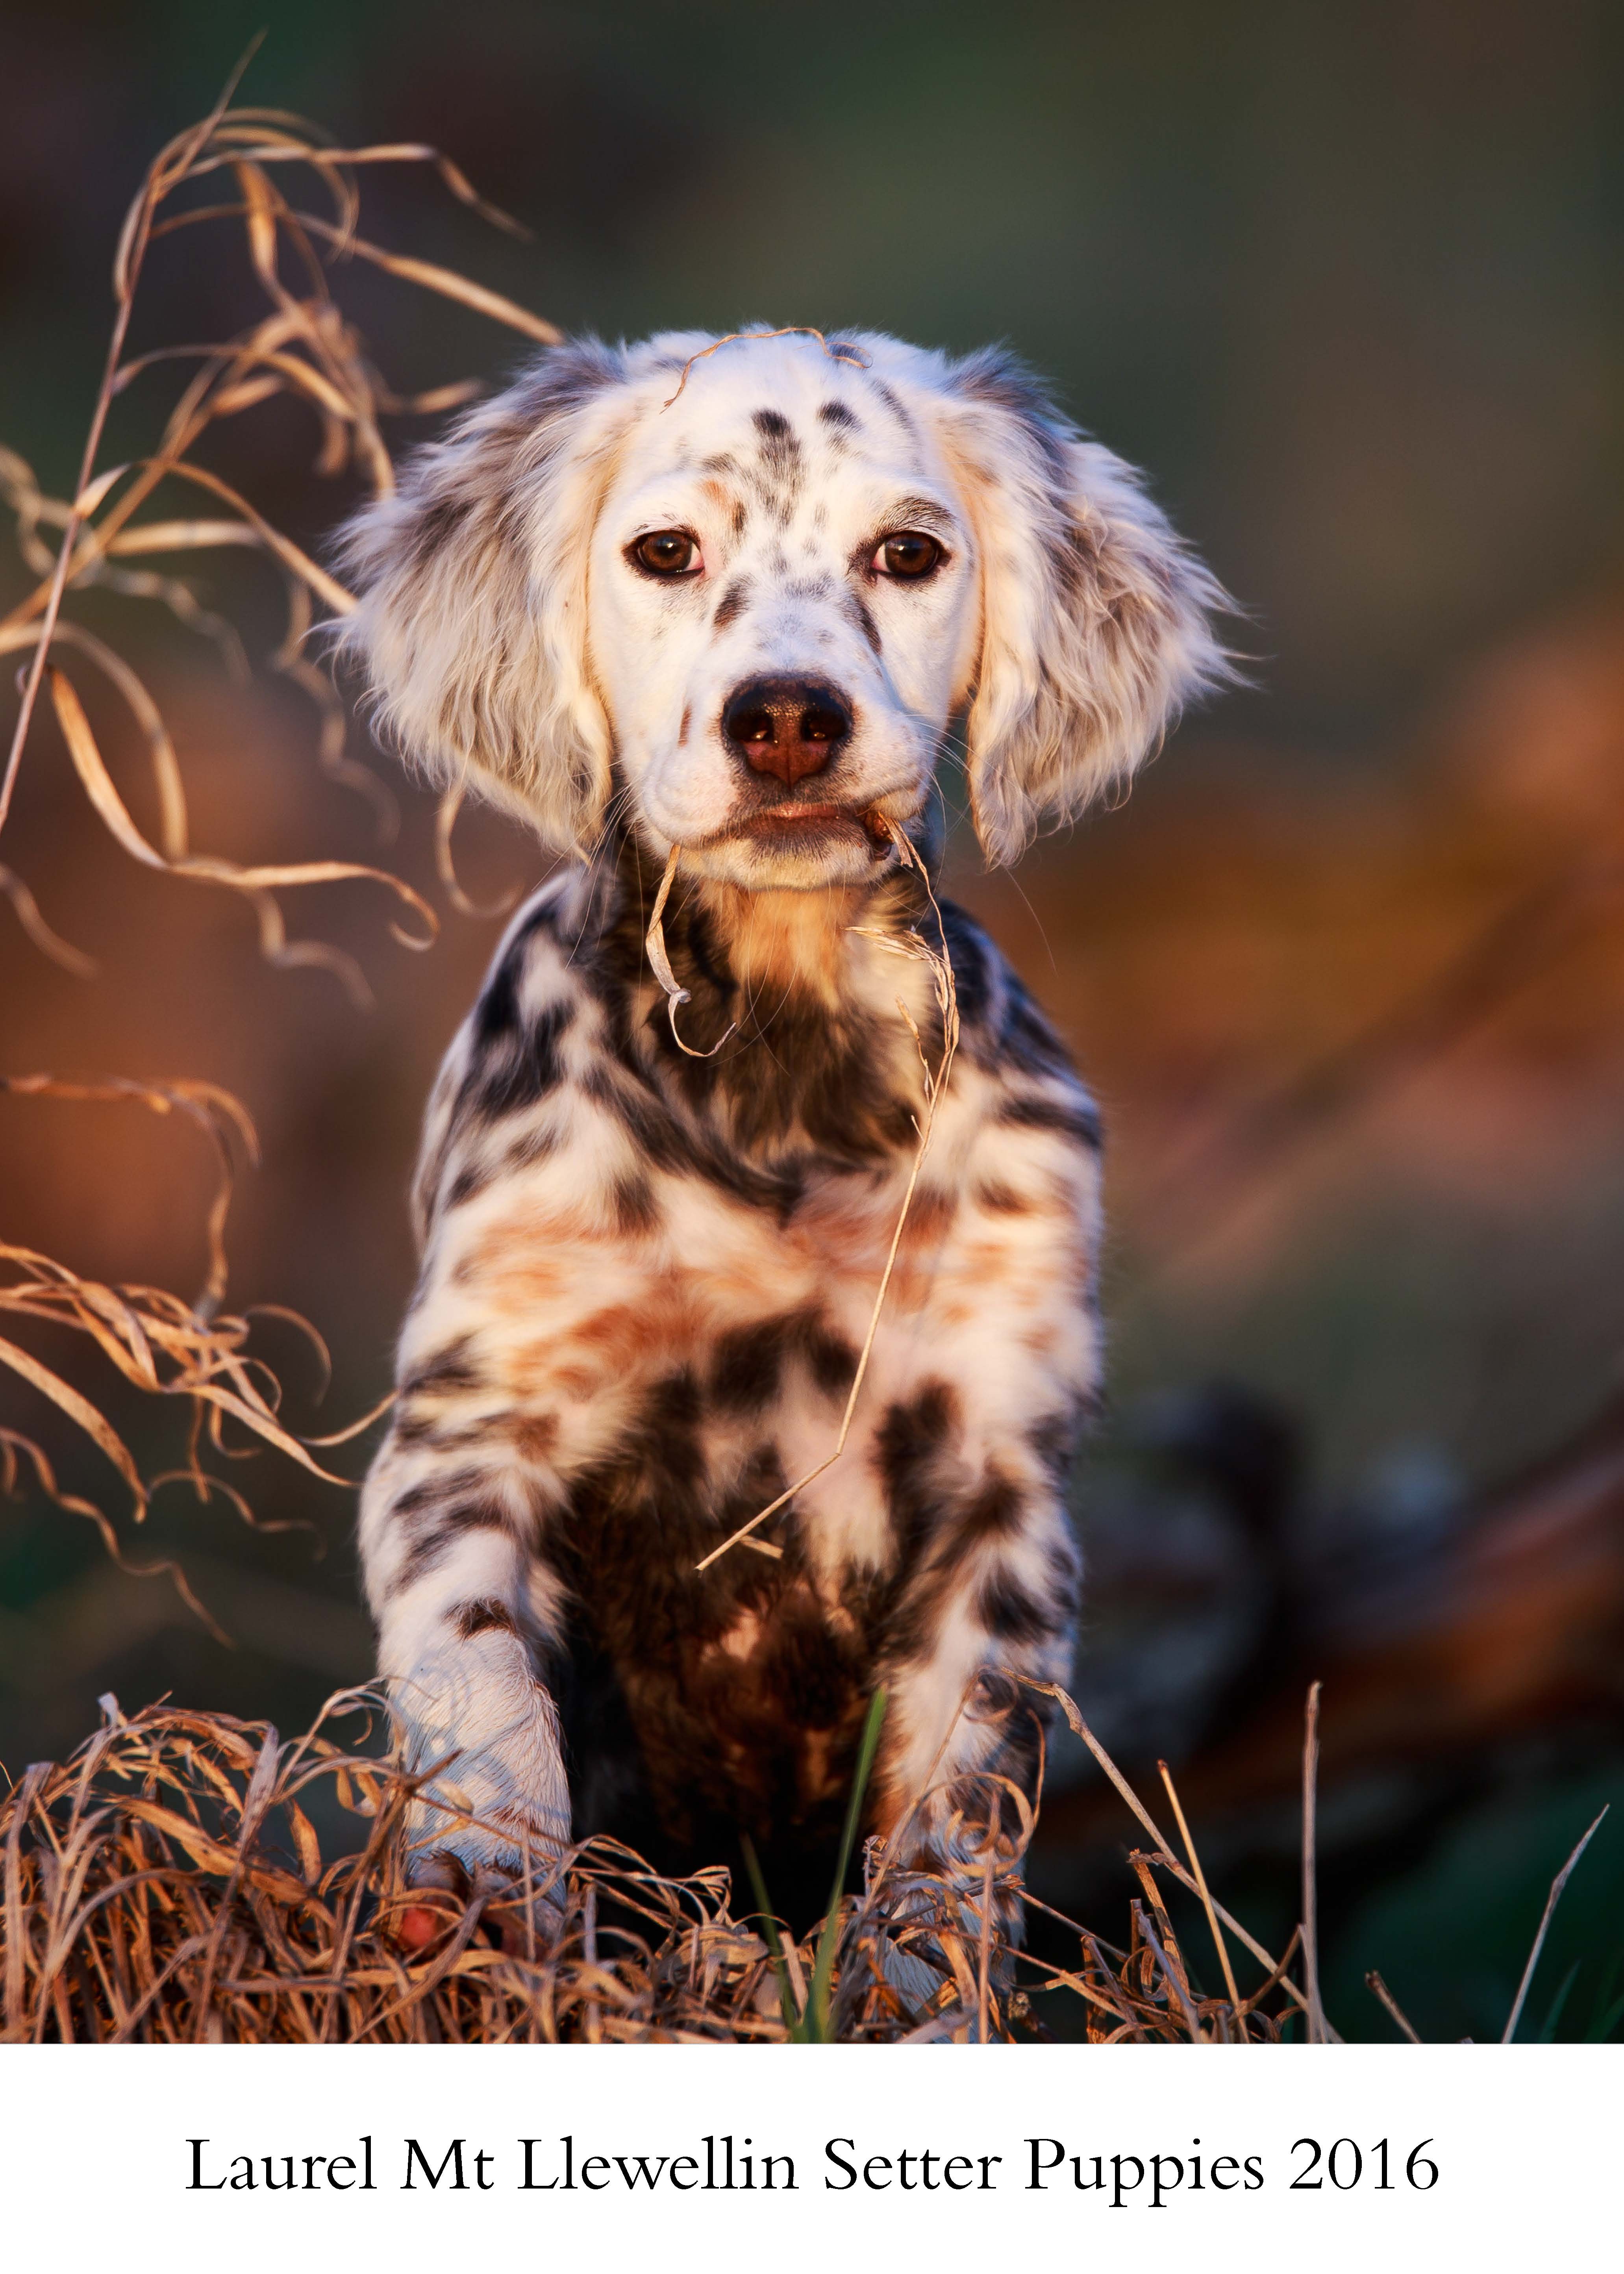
<point>470,629</point>
<point>1094,623</point>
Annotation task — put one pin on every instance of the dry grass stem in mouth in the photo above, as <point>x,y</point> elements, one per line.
<point>169,1884</point>
<point>940,966</point>
<point>784,332</point>
<point>655,942</point>
<point>126,532</point>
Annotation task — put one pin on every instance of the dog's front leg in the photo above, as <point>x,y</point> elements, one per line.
<point>462,1602</point>
<point>964,1733</point>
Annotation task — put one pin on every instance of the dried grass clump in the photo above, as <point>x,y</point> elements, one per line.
<point>278,191</point>
<point>169,1884</point>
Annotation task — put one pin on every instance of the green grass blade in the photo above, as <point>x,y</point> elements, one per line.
<point>1547,2034</point>
<point>774,1948</point>
<point>816,2017</point>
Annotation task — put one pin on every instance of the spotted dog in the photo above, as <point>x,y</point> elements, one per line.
<point>735,600</point>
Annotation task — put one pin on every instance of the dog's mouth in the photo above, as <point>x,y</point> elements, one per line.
<point>803,821</point>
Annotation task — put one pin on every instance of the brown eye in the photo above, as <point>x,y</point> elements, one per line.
<point>909,554</point>
<point>666,553</point>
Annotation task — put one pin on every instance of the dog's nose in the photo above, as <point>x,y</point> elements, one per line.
<point>788,727</point>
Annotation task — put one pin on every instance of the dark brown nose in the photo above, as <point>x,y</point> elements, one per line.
<point>790,727</point>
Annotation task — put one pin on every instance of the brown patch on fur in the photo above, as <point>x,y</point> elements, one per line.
<point>780,941</point>
<point>1000,1199</point>
<point>929,1216</point>
<point>536,1436</point>
<point>483,1617</point>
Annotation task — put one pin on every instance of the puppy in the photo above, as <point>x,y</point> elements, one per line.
<point>733,598</point>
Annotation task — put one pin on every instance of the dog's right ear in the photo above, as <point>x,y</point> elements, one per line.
<point>470,627</point>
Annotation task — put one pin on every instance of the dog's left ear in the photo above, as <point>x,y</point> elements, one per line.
<point>1095,617</point>
<point>470,629</point>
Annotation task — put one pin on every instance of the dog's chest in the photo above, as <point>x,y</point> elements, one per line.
<point>684,1378</point>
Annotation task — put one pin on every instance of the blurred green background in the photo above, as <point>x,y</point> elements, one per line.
<point>1347,971</point>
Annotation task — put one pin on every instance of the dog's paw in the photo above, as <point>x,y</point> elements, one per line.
<point>514,1859</point>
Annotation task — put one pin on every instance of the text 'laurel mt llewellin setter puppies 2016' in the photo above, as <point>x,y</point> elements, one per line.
<point>705,615</point>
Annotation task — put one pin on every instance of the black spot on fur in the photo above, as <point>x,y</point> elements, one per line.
<point>437,1524</point>
<point>631,1202</point>
<point>747,1365</point>
<point>895,404</point>
<point>448,1371</point>
<point>1029,1042</point>
<point>781,462</point>
<point>1077,1119</point>
<point>496,1013</point>
<point>832,1361</point>
<point>862,615</point>
<point>908,1446</point>
<point>993,1512</point>
<point>470,1180</point>
<point>1010,1612</point>
<point>534,1146</point>
<point>732,603</point>
<point>970,953</point>
<point>437,525</point>
<point>840,415</point>
<point>483,1617</point>
<point>518,1064</point>
<point>1054,1440</point>
<point>669,1145</point>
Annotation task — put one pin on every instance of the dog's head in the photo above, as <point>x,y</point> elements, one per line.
<point>749,586</point>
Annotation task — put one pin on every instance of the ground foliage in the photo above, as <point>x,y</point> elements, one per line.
<point>169,1885</point>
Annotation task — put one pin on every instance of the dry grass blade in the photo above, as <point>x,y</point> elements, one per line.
<point>784,332</point>
<point>1317,2031</point>
<point>1163,1857</point>
<point>445,281</point>
<point>1207,1901</point>
<point>157,1344</point>
<point>98,783</point>
<point>1552,1900</point>
<point>1171,1977</point>
<point>445,822</point>
<point>28,913</point>
<point>1373,1982</point>
<point>15,1449</point>
<point>169,1886</point>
